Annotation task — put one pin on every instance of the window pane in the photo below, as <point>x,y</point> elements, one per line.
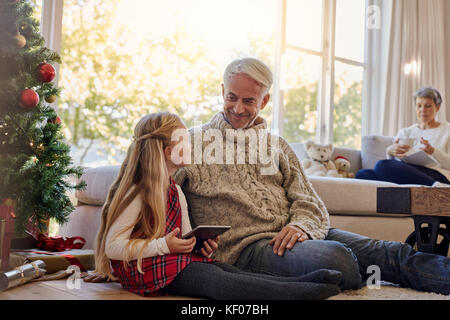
<point>304,24</point>
<point>348,105</point>
<point>300,78</point>
<point>350,29</point>
<point>122,59</point>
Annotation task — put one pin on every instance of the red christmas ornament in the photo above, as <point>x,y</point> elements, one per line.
<point>46,72</point>
<point>29,99</point>
<point>56,120</point>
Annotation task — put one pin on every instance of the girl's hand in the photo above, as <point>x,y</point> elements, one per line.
<point>209,247</point>
<point>428,149</point>
<point>177,245</point>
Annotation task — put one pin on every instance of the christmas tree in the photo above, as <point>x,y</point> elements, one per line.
<point>35,166</point>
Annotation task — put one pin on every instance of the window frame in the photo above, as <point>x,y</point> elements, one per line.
<point>325,101</point>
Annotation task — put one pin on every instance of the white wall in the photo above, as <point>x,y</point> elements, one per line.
<point>447,52</point>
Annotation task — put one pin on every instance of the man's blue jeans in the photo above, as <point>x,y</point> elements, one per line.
<point>352,254</point>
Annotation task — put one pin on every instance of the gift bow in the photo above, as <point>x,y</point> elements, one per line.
<point>59,243</point>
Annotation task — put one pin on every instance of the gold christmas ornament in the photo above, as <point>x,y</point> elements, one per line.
<point>50,99</point>
<point>20,40</point>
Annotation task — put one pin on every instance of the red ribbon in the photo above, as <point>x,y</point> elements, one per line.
<point>59,243</point>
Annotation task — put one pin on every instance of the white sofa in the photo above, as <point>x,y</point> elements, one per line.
<point>352,203</point>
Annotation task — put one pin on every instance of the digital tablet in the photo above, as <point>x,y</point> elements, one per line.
<point>203,233</point>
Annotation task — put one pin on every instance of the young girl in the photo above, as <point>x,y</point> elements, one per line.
<point>143,217</point>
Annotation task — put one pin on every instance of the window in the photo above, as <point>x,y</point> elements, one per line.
<point>322,89</point>
<point>304,24</point>
<point>122,59</point>
<point>347,105</point>
<point>349,72</point>
<point>300,90</point>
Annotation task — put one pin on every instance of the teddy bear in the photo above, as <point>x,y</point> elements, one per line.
<point>343,167</point>
<point>319,161</point>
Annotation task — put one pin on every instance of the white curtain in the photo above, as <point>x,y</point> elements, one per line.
<point>413,57</point>
<point>376,57</point>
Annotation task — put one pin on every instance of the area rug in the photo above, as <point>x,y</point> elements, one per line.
<point>388,291</point>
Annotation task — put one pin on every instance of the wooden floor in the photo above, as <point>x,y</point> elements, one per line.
<point>58,290</point>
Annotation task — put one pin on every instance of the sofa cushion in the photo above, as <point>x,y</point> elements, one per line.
<point>374,149</point>
<point>353,155</point>
<point>98,181</point>
<point>351,196</point>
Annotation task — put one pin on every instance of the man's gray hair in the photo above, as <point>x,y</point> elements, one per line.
<point>430,93</point>
<point>254,68</point>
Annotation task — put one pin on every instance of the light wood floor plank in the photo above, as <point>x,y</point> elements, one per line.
<point>58,290</point>
<point>37,291</point>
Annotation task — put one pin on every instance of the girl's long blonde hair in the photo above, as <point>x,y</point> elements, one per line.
<point>143,172</point>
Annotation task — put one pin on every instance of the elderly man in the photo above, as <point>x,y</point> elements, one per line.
<point>279,224</point>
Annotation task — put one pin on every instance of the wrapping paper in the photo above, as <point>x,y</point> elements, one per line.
<point>22,274</point>
<point>55,261</point>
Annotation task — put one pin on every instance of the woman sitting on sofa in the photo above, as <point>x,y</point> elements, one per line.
<point>428,135</point>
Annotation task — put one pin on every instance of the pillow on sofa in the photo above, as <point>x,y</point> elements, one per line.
<point>374,149</point>
<point>98,181</point>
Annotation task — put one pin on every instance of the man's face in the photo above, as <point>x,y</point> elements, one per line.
<point>243,99</point>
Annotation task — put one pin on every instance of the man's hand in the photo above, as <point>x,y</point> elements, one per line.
<point>287,238</point>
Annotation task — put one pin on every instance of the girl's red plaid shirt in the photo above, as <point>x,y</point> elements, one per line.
<point>158,271</point>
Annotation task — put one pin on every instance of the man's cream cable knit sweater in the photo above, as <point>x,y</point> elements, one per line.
<point>255,205</point>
